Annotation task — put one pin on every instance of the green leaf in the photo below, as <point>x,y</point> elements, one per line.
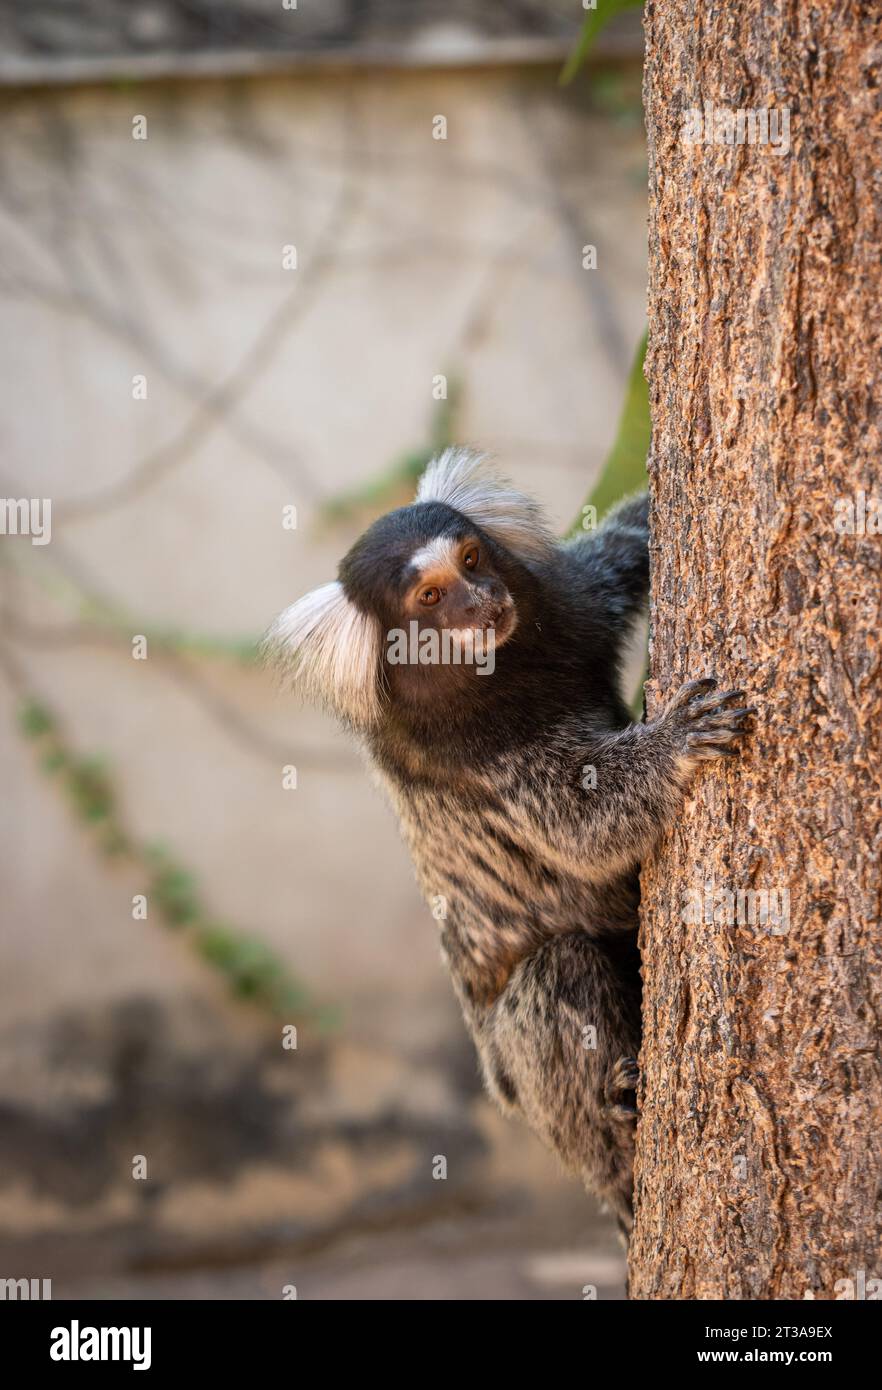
<point>595,21</point>
<point>34,719</point>
<point>174,889</point>
<point>55,760</point>
<point>90,788</point>
<point>624,470</point>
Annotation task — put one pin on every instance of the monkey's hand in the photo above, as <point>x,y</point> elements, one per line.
<point>603,817</point>
<point>702,722</point>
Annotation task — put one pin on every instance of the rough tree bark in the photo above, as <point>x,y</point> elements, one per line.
<point>758,1169</point>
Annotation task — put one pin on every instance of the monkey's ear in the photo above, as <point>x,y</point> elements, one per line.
<point>332,650</point>
<point>467,482</point>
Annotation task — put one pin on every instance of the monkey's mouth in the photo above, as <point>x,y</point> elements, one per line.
<point>493,632</point>
<point>505,625</point>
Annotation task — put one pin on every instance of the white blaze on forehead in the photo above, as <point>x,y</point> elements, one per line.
<point>440,553</point>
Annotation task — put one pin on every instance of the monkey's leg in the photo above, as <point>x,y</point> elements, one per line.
<point>553,1047</point>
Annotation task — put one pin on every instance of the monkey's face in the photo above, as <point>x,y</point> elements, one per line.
<point>424,600</point>
<point>440,594</point>
<point>452,584</point>
<point>427,569</point>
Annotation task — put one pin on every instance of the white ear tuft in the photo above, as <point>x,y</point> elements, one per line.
<point>467,482</point>
<point>332,650</point>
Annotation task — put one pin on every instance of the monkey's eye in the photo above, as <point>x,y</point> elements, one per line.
<point>471,557</point>
<point>429,597</point>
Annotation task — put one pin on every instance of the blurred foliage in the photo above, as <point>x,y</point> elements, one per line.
<point>250,968</point>
<point>624,469</point>
<point>617,94</point>
<point>239,649</point>
<point>255,972</point>
<point>595,21</point>
<point>624,472</point>
<point>107,617</point>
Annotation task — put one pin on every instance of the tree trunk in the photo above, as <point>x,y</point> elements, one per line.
<point>758,1167</point>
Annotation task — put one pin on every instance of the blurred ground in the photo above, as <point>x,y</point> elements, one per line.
<point>266,1167</point>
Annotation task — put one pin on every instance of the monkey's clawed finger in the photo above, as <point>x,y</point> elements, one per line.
<point>688,691</point>
<point>714,701</point>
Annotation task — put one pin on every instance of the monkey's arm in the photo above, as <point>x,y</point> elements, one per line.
<point>612,563</point>
<point>611,798</point>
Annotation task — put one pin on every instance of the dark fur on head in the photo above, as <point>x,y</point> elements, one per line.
<point>379,576</point>
<point>563,652</point>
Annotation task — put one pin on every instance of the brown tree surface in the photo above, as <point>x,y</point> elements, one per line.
<point>758,1169</point>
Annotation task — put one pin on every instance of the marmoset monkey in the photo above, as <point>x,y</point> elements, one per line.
<point>478,659</point>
